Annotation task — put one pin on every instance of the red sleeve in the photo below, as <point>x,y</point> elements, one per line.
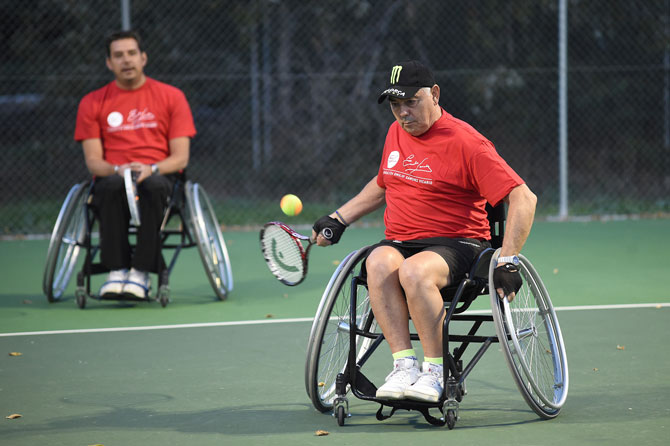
<point>493,177</point>
<point>87,126</point>
<point>181,119</point>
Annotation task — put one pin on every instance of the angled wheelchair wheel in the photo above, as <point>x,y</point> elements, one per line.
<point>211,244</point>
<point>66,242</point>
<point>328,344</point>
<point>531,341</point>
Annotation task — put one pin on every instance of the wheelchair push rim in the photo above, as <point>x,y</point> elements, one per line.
<point>210,241</point>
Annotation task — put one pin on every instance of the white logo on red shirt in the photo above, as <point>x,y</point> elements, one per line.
<point>412,166</point>
<point>136,120</point>
<point>393,159</point>
<point>114,119</point>
<point>144,115</point>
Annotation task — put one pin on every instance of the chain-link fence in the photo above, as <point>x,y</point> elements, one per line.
<point>284,92</point>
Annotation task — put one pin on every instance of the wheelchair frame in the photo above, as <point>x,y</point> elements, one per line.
<point>198,226</point>
<point>528,326</point>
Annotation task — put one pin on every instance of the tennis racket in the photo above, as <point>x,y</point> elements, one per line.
<point>284,252</point>
<point>130,180</point>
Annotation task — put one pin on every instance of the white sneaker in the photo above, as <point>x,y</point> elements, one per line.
<point>429,385</point>
<point>114,283</point>
<point>138,284</point>
<point>405,373</point>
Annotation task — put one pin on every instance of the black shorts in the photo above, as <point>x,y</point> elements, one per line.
<point>459,253</point>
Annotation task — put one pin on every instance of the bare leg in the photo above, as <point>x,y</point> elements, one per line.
<point>387,298</point>
<point>422,276</point>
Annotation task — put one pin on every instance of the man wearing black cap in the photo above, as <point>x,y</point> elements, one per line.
<point>436,175</point>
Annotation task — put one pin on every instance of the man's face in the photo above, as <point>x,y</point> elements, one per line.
<point>126,61</point>
<point>417,114</point>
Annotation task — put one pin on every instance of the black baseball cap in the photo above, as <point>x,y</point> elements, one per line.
<point>406,78</point>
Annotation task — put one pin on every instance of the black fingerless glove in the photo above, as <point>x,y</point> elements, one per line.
<point>330,228</point>
<point>508,278</point>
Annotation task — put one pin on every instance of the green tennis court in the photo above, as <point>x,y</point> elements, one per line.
<point>206,372</point>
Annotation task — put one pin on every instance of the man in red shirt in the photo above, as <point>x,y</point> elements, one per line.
<point>436,175</point>
<point>135,123</point>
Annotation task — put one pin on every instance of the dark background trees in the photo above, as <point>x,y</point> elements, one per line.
<point>284,93</point>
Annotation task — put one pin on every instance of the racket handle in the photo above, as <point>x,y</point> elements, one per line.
<point>134,175</point>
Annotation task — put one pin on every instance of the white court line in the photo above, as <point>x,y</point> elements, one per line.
<point>282,321</point>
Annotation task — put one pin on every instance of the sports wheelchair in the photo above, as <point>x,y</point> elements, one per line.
<point>195,224</point>
<point>344,335</point>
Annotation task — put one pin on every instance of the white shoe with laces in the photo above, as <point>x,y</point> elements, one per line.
<point>114,283</point>
<point>138,284</point>
<point>429,385</point>
<point>405,373</point>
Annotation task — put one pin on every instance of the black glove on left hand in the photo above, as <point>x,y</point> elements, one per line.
<point>508,278</point>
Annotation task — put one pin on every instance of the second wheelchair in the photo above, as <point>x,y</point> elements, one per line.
<point>189,221</point>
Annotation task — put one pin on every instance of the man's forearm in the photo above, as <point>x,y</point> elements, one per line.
<point>101,168</point>
<point>520,217</point>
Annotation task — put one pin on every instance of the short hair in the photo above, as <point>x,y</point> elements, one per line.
<point>131,34</point>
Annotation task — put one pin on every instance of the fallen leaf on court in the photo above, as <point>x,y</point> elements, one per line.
<point>321,433</point>
<point>620,347</point>
<point>97,444</point>
<point>268,316</point>
<point>555,270</point>
<point>659,306</point>
<point>15,353</point>
<point>27,301</point>
<point>285,295</point>
<point>595,369</point>
<point>336,262</point>
<point>547,350</point>
<point>321,384</point>
<point>13,416</point>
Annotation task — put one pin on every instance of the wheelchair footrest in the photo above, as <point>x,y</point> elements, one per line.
<point>124,297</point>
<point>423,409</point>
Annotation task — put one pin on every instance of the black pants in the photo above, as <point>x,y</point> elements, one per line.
<point>111,206</point>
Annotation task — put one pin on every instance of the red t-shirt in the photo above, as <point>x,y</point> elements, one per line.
<point>437,184</point>
<point>134,125</point>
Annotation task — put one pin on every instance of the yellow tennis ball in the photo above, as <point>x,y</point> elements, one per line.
<point>291,205</point>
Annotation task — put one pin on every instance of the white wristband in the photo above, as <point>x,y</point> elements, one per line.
<point>509,259</point>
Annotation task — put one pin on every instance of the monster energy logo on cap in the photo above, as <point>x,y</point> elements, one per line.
<point>395,74</point>
<point>406,79</point>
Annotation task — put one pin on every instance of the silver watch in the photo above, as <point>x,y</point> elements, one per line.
<point>154,169</point>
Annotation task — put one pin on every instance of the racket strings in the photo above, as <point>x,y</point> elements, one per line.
<point>284,254</point>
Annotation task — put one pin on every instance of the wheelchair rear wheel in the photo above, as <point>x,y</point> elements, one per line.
<point>66,241</point>
<point>328,345</point>
<point>211,244</point>
<point>531,341</point>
